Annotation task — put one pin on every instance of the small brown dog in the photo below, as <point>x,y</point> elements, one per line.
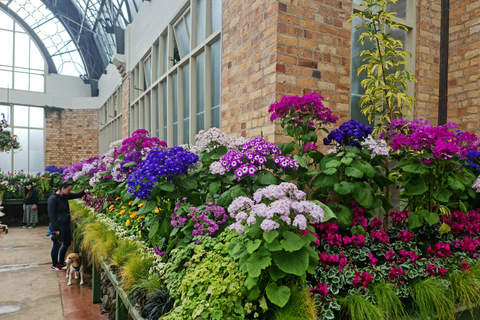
<point>75,263</point>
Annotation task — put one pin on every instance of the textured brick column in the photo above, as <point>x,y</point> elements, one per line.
<point>464,65</point>
<point>71,135</point>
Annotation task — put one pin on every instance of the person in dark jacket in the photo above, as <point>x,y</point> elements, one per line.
<point>30,206</point>
<point>59,214</point>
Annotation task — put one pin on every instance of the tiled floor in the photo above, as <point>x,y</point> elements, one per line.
<point>77,299</point>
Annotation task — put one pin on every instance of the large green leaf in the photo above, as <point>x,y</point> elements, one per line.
<point>167,186</point>
<point>186,183</point>
<point>236,249</point>
<point>256,263</point>
<point>266,178</point>
<point>333,164</point>
<point>253,245</point>
<point>365,167</point>
<point>343,188</point>
<point>327,212</point>
<point>430,217</point>
<point>325,181</point>
<point>295,263</point>
<point>344,215</point>
<point>273,246</point>
<point>416,167</point>
<point>286,148</point>
<point>455,184</point>
<point>129,164</point>
<point>275,273</point>
<point>270,236</point>
<point>416,188</point>
<point>301,161</point>
<point>364,195</point>
<point>278,295</point>
<point>346,160</point>
<point>251,282</point>
<point>147,207</point>
<point>214,187</point>
<point>442,194</point>
<point>291,241</point>
<point>415,220</point>
<point>353,172</point>
<point>330,171</point>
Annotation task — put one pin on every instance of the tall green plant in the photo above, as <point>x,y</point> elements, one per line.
<point>386,97</point>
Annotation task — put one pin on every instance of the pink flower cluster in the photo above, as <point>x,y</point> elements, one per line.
<point>463,223</point>
<point>309,145</point>
<point>289,203</point>
<point>310,104</point>
<point>356,240</point>
<point>433,271</point>
<point>399,217</point>
<point>363,278</point>
<point>412,255</point>
<point>138,141</point>
<point>379,236</point>
<point>467,244</point>
<point>405,236</point>
<point>321,289</point>
<point>333,260</point>
<point>440,249</point>
<point>372,259</point>
<point>396,275</point>
<point>444,141</point>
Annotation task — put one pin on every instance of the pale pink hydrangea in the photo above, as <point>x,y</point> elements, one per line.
<point>214,138</point>
<point>378,147</point>
<point>217,168</point>
<point>289,203</point>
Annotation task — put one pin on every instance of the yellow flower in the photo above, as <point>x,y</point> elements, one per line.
<point>111,209</point>
<point>140,234</point>
<point>158,210</point>
<point>122,207</point>
<point>127,223</point>
<point>133,215</point>
<point>118,198</point>
<point>130,203</point>
<point>140,218</point>
<point>141,204</point>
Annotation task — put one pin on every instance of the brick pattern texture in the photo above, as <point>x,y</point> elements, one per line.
<point>427,60</point>
<point>71,135</point>
<point>464,65</point>
<point>125,101</point>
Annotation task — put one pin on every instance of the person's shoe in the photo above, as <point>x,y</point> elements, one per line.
<point>56,268</point>
<point>31,226</point>
<point>26,226</point>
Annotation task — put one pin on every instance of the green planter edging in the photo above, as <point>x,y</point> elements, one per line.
<point>19,201</point>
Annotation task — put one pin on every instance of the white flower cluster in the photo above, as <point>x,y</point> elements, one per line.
<point>217,168</point>
<point>214,138</point>
<point>476,185</point>
<point>289,203</point>
<point>378,147</point>
<point>145,251</point>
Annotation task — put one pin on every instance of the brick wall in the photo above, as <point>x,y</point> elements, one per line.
<point>427,60</point>
<point>71,135</point>
<point>125,100</point>
<point>464,65</point>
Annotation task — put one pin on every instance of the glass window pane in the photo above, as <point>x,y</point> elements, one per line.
<point>186,104</point>
<point>148,72</point>
<point>5,21</point>
<point>175,108</point>
<point>20,116</point>
<point>36,117</point>
<point>6,53</point>
<point>36,58</point>
<point>165,54</point>
<point>6,80</point>
<point>20,158</point>
<point>187,20</point>
<point>159,63</point>
<point>356,112</point>
<point>5,162</point>
<point>216,82</point>
<point>200,91</point>
<point>6,111</point>
<point>400,7</point>
<point>21,81</point>
<point>37,83</point>
<point>201,20</point>
<point>157,106</point>
<point>216,15</point>
<point>22,48</point>
<point>36,156</point>
<point>182,38</point>
<point>165,106</point>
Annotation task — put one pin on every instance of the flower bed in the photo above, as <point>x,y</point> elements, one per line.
<point>242,229</point>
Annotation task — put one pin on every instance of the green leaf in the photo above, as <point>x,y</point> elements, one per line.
<point>275,273</point>
<point>291,241</point>
<point>415,167</point>
<point>253,245</point>
<point>364,195</point>
<point>254,294</point>
<point>346,160</point>
<point>343,188</point>
<point>325,181</point>
<point>442,194</point>
<point>286,148</point>
<point>129,164</point>
<point>344,215</point>
<point>256,263</point>
<point>270,236</point>
<point>153,229</point>
<point>415,189</point>
<point>295,263</point>
<point>300,160</point>
<point>455,185</point>
<point>327,212</point>
<point>353,172</point>
<point>214,187</point>
<point>333,164</point>
<point>278,295</point>
<point>167,186</point>
<point>462,207</point>
<point>415,220</point>
<point>430,217</point>
<point>251,282</point>
<point>147,208</point>
<point>236,249</point>
<point>357,230</point>
<point>266,178</point>
<point>330,171</point>
<point>187,183</point>
<point>273,246</point>
<point>365,167</point>
<point>444,228</point>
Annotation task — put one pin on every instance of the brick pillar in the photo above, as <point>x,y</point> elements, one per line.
<point>427,56</point>
<point>125,99</point>
<point>464,65</point>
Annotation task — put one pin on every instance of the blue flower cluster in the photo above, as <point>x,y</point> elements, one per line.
<point>53,169</point>
<point>349,134</point>
<point>159,163</point>
<point>472,157</point>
